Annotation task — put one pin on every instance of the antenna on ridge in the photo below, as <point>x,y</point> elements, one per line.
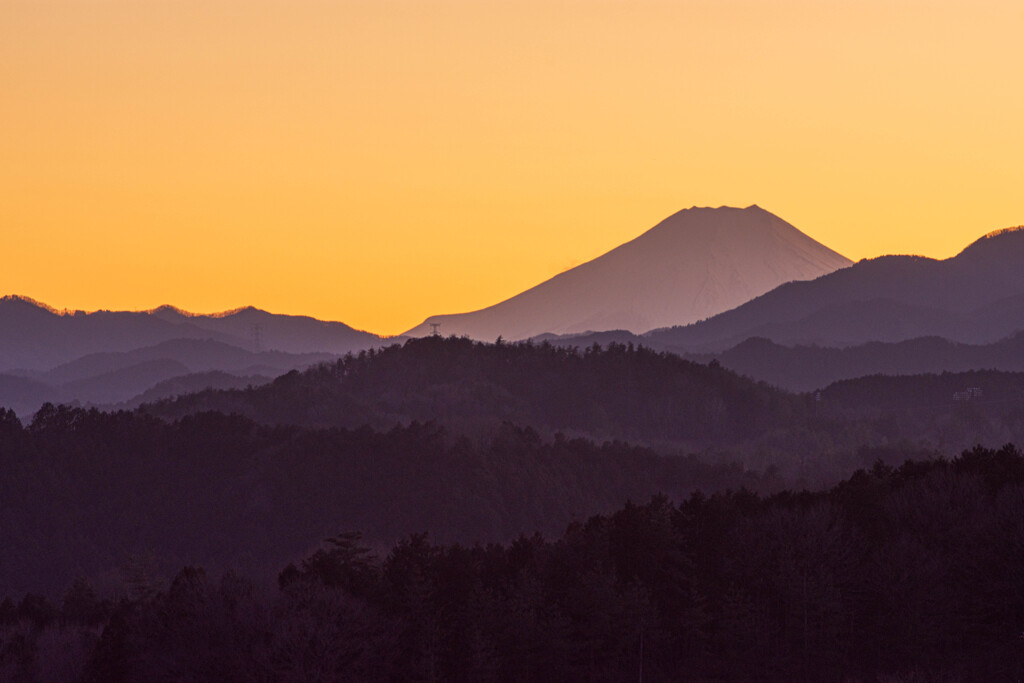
<point>257,338</point>
<point>435,333</point>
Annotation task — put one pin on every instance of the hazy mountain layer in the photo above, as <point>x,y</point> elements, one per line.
<point>127,378</point>
<point>194,354</point>
<point>804,368</point>
<point>693,265</point>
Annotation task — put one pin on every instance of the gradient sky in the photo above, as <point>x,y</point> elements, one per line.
<point>378,162</point>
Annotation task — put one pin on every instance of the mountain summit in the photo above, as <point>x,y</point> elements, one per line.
<point>694,264</point>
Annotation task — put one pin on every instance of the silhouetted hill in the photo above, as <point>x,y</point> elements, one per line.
<point>618,392</point>
<point>694,264</point>
<point>36,337</point>
<point>975,297</point>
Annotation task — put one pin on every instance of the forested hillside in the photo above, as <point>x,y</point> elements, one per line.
<point>430,459</point>
<point>620,392</point>
<point>637,395</point>
<point>86,493</point>
<point>908,573</point>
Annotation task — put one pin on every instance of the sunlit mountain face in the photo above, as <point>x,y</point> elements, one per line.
<point>695,264</point>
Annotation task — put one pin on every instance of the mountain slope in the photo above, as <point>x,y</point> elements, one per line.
<point>975,297</point>
<point>694,264</point>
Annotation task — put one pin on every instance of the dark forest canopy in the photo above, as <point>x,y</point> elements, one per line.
<point>638,395</point>
<point>914,569</point>
<point>897,573</point>
<point>623,392</point>
<point>84,492</point>
<point>911,570</point>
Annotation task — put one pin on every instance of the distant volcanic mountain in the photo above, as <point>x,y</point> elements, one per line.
<point>976,297</point>
<point>694,264</point>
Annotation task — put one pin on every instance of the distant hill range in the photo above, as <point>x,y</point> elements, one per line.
<point>123,379</point>
<point>34,336</point>
<point>695,264</point>
<point>976,297</point>
<point>115,358</point>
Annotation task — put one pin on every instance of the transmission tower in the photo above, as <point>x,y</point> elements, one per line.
<point>435,326</point>
<point>257,338</point>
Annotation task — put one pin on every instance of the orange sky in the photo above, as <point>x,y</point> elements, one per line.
<point>378,162</point>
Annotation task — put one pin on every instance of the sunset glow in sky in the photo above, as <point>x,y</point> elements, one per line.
<point>378,162</point>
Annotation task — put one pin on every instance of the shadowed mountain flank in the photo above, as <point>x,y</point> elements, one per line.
<point>976,297</point>
<point>693,265</point>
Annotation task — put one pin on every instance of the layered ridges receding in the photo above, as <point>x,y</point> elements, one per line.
<point>690,266</point>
